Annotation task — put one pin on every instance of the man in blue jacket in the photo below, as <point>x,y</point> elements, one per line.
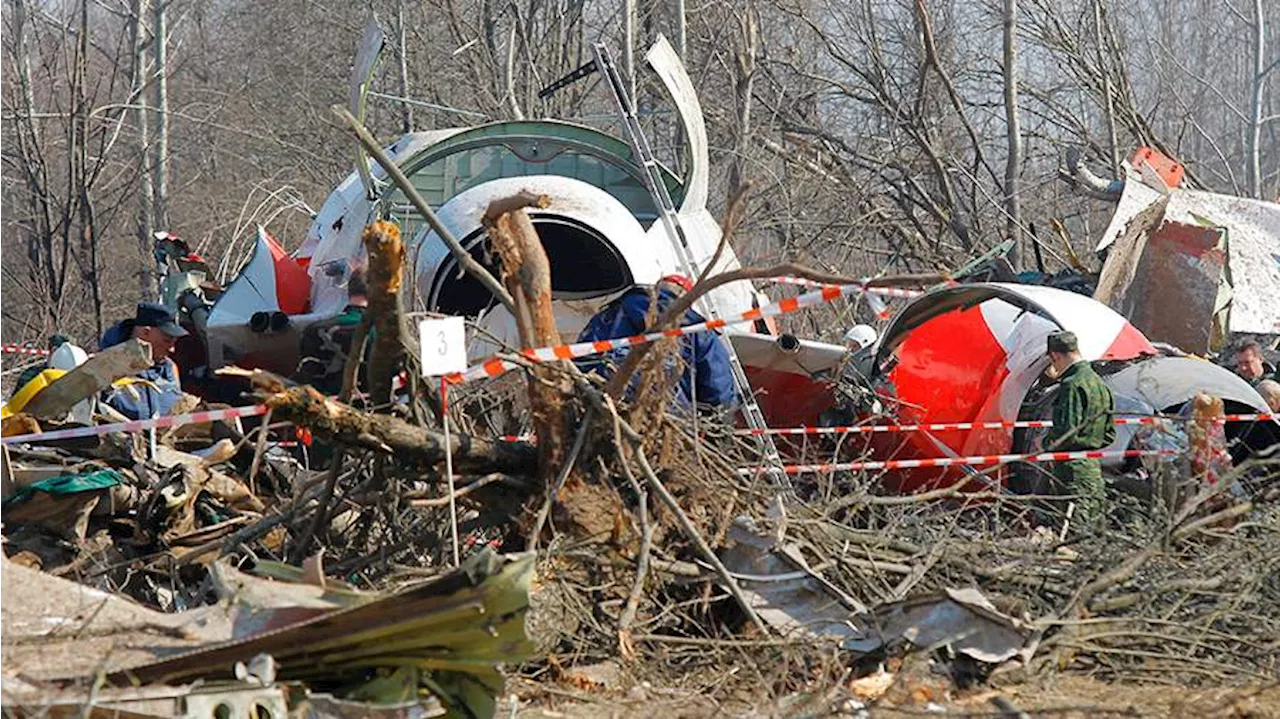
<point>155,390</point>
<point>707,376</point>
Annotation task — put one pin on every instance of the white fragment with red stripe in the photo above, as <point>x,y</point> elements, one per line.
<point>964,426</point>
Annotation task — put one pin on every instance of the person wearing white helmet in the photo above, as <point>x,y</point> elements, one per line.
<point>854,396</point>
<point>859,337</point>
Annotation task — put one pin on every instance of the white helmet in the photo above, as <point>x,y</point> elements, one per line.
<point>862,335</point>
<point>67,357</point>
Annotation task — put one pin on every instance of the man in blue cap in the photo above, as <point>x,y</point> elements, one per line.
<point>156,389</point>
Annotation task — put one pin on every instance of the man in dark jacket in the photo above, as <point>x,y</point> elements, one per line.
<point>1083,419</point>
<point>1250,363</point>
<point>155,390</point>
<point>707,376</point>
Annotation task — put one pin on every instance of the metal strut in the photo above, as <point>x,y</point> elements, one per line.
<point>675,232</point>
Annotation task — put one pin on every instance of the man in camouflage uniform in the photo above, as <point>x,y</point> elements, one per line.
<point>1083,419</point>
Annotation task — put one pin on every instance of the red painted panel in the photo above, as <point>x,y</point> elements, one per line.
<point>1128,344</point>
<point>947,370</point>
<point>788,399</point>
<point>293,284</point>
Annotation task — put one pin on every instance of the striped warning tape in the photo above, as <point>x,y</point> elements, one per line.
<point>883,291</point>
<point>19,350</point>
<point>935,427</point>
<point>1260,417</point>
<point>950,426</point>
<point>496,366</point>
<point>972,461</point>
<point>139,425</point>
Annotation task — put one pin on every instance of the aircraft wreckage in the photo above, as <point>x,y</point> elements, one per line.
<point>960,353</point>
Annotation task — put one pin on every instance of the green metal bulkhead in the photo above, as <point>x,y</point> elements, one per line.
<point>527,147</point>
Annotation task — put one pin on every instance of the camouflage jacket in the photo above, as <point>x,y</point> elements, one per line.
<point>324,347</point>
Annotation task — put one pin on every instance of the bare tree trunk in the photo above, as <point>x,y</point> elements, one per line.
<point>1255,118</point>
<point>140,10</point>
<point>23,54</point>
<point>90,263</point>
<point>512,104</point>
<point>629,44</point>
<point>682,32</point>
<point>40,242</point>
<point>744,84</point>
<point>1012,164</point>
<point>161,43</point>
<point>1108,101</point>
<point>406,109</point>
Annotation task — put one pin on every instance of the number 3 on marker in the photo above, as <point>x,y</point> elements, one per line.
<point>443,344</point>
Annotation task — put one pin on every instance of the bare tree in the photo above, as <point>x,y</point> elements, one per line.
<point>1013,159</point>
<point>1255,104</point>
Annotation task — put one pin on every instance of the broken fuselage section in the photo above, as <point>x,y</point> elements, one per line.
<point>967,353</point>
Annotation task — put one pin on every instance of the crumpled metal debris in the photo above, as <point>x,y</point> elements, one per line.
<point>443,638</point>
<point>962,619</point>
<point>796,601</point>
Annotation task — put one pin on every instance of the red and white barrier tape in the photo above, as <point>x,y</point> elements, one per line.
<point>29,351</point>
<point>495,366</point>
<point>950,426</point>
<point>977,460</point>
<point>885,291</point>
<point>1260,417</point>
<point>139,425</point>
<point>933,427</point>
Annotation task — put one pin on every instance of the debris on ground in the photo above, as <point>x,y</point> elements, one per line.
<point>521,533</point>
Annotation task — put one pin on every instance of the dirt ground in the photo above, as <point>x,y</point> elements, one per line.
<point>1063,696</point>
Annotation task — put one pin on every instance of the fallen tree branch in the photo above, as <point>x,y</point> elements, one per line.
<point>686,525</point>
<point>336,422</point>
<point>96,374</point>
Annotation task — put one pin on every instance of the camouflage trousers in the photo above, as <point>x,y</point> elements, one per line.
<point>1083,477</point>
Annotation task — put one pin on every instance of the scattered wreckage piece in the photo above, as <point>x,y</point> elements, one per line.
<point>974,353</point>
<point>446,636</point>
<point>799,602</point>
<point>1157,264</point>
<point>1217,250</point>
<point>439,642</point>
<point>194,701</point>
<point>96,374</point>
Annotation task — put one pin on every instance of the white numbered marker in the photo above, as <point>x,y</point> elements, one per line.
<point>444,346</point>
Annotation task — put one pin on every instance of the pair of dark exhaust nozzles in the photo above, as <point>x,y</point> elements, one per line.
<point>276,322</point>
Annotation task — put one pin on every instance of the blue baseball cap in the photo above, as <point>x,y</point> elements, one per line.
<point>154,314</point>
